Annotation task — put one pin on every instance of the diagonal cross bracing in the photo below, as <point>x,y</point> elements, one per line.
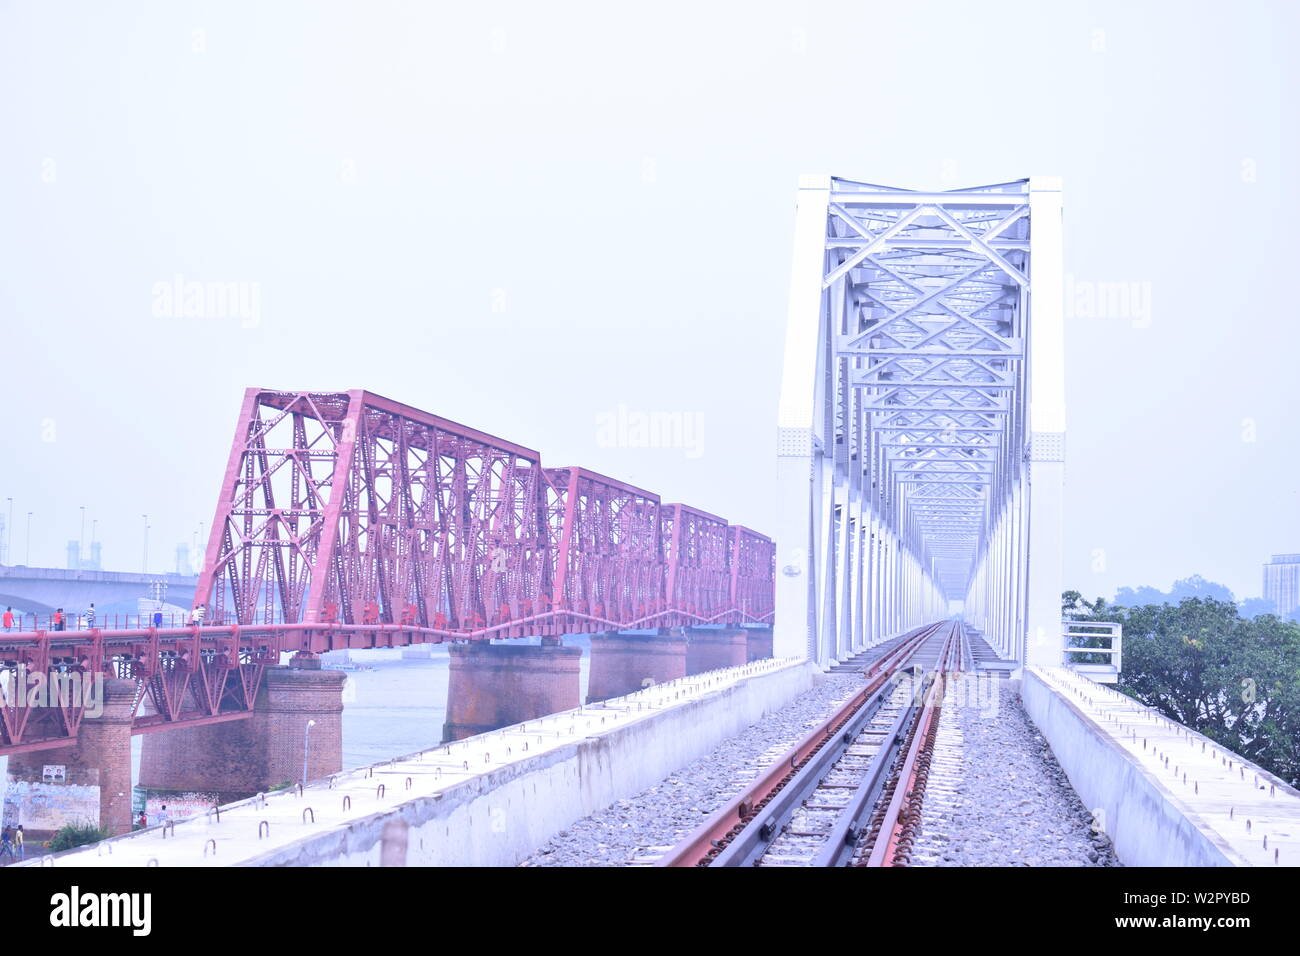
<point>906,408</point>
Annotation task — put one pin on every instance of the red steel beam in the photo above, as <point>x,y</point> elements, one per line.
<point>349,520</point>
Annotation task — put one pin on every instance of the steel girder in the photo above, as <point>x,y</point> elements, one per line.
<point>905,428</point>
<point>351,509</point>
<point>609,556</point>
<point>346,520</point>
<point>697,577</point>
<point>185,676</point>
<point>753,559</point>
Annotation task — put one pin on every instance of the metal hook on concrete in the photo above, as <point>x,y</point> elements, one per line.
<point>168,825</point>
<point>408,783</point>
<point>210,843</point>
<point>347,801</point>
<point>307,810</point>
<point>99,851</point>
<point>214,811</point>
<point>153,861</point>
<point>263,829</point>
<point>379,792</point>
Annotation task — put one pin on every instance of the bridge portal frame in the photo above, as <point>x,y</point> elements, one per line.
<point>923,394</point>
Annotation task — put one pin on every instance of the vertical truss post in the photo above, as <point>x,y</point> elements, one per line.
<point>1044,640</point>
<point>800,434</point>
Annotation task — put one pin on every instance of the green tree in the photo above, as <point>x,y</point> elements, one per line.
<point>1234,679</point>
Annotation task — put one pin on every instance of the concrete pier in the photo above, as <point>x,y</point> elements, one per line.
<point>495,685</point>
<point>711,648</point>
<point>624,663</point>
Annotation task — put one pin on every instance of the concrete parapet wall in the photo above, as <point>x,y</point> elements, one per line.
<point>1147,823</point>
<point>501,816</point>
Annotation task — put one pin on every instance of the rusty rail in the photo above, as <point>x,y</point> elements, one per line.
<point>705,843</point>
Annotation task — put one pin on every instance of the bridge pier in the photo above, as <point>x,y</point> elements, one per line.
<point>624,663</point>
<point>496,685</point>
<point>710,648</point>
<point>218,763</point>
<point>96,773</point>
<point>759,643</point>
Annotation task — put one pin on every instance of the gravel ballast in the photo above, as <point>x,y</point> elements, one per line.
<point>996,795</point>
<point>639,829</point>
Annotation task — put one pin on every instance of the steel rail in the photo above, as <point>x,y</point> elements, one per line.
<point>843,837</point>
<point>707,844</point>
<point>901,813</point>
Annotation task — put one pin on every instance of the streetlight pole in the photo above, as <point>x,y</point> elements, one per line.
<point>306,735</point>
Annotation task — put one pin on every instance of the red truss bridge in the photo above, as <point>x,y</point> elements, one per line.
<point>347,520</point>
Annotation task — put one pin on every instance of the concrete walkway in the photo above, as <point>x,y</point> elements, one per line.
<point>350,806</point>
<point>1166,795</point>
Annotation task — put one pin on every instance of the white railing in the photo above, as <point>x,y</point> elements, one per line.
<point>1078,634</point>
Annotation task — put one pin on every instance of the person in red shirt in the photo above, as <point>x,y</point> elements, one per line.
<point>9,619</point>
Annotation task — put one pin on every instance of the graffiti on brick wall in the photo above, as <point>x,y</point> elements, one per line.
<point>49,806</point>
<point>162,805</point>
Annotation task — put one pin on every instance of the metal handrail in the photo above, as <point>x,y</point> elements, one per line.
<point>1093,629</point>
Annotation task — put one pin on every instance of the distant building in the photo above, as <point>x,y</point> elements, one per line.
<point>77,563</point>
<point>1282,582</point>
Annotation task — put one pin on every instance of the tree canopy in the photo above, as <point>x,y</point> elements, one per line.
<point>1234,679</point>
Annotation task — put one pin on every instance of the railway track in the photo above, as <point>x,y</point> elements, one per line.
<point>849,792</point>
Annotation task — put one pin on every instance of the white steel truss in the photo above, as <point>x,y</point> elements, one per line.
<point>923,393</point>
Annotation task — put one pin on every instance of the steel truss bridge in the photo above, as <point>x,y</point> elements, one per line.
<point>346,520</point>
<point>922,400</point>
<point>923,397</point>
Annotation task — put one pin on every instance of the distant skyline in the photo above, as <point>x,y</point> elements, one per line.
<point>535,220</point>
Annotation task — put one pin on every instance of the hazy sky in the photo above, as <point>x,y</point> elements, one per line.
<point>527,217</point>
